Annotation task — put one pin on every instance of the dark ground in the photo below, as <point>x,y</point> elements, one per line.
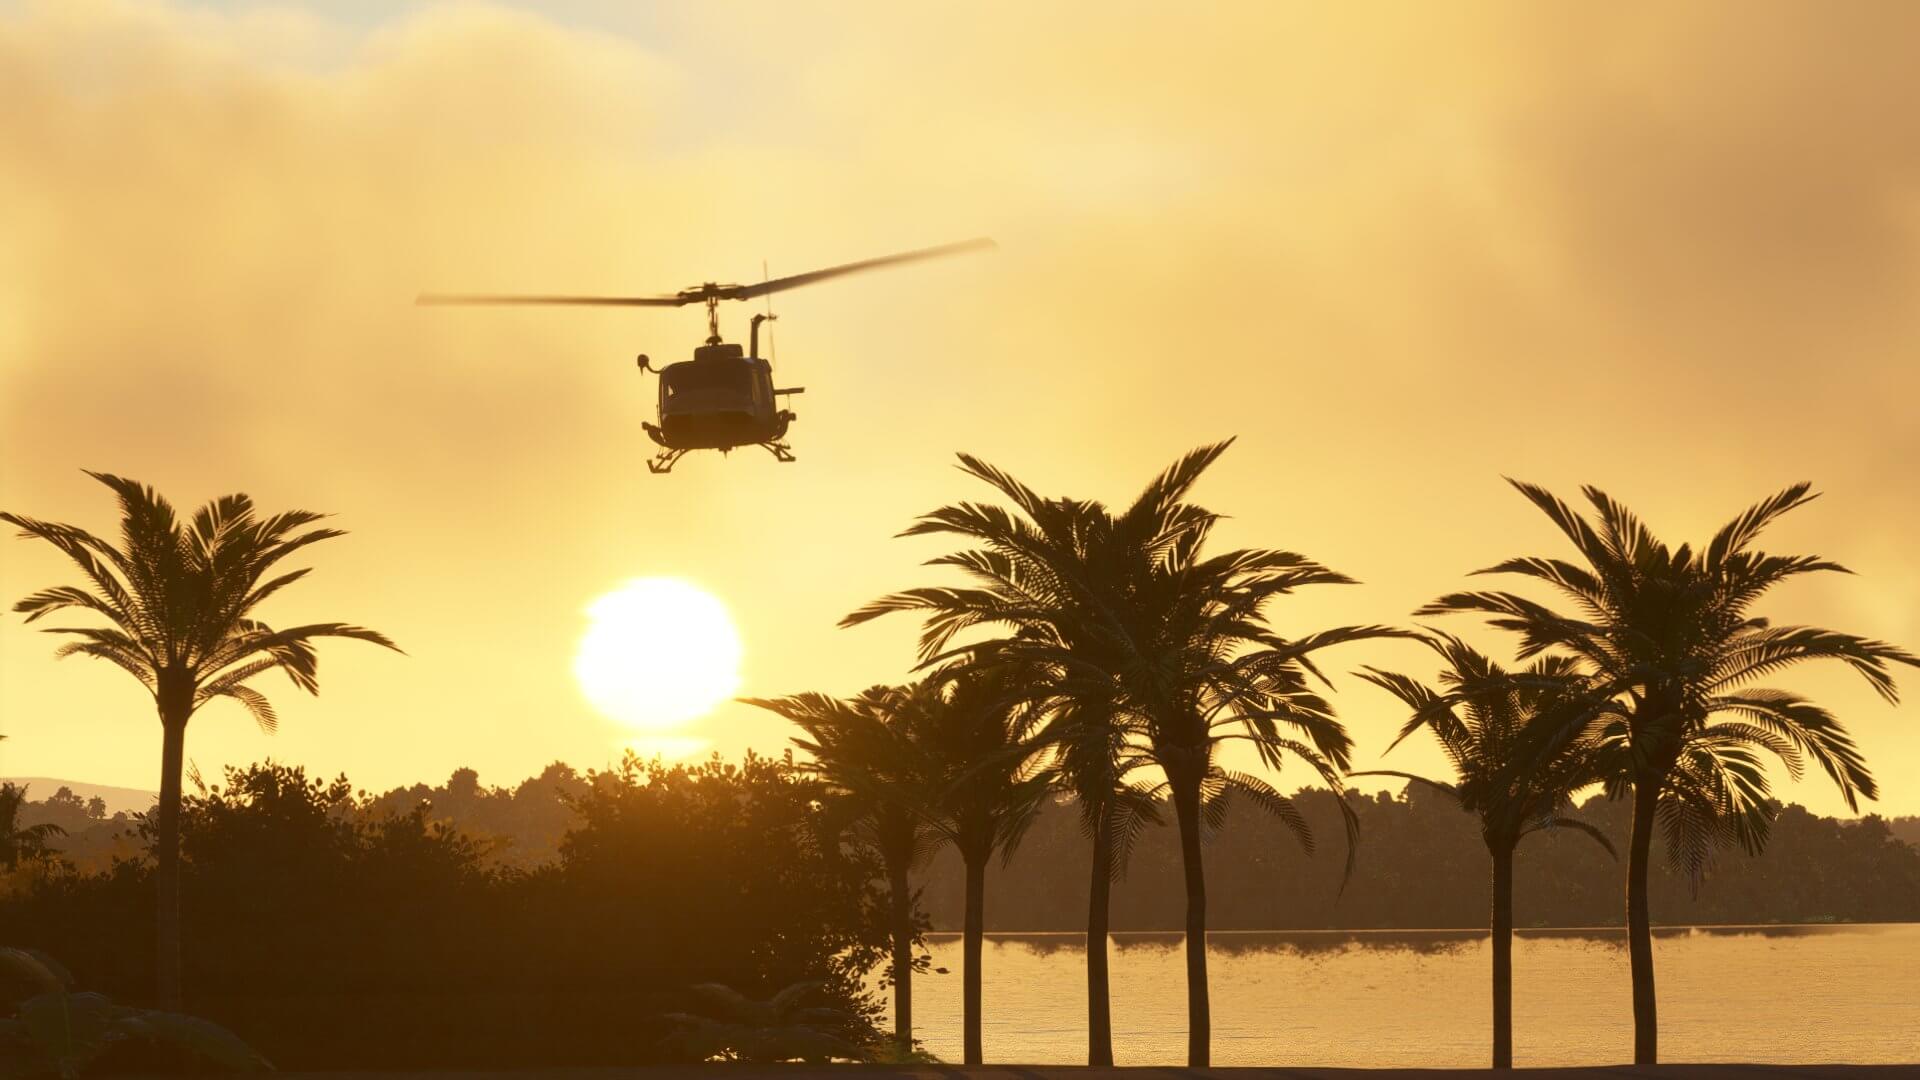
<point>1073,1072</point>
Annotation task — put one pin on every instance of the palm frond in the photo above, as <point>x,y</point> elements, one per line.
<point>1741,531</point>
<point>1444,788</point>
<point>1586,828</point>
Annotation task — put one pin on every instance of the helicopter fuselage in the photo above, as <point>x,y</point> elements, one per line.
<point>720,399</point>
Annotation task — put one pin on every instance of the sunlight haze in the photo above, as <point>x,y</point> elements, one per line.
<point>1397,251</point>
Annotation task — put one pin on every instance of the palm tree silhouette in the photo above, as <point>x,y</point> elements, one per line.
<point>1666,639</point>
<point>979,790</point>
<point>178,600</point>
<point>1517,760</point>
<point>22,843</point>
<point>1136,621</point>
<point>1094,760</point>
<point>861,751</point>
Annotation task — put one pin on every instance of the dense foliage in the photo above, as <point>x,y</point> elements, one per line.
<point>310,913</point>
<point>1815,868</point>
<point>317,909</point>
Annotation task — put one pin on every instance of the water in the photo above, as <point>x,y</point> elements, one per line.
<point>1780,994</point>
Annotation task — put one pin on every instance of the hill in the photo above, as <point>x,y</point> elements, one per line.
<point>117,799</point>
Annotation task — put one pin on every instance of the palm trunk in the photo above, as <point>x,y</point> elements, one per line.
<point>1099,987</point>
<point>173,752</point>
<point>1646,1025</point>
<point>970,958</point>
<point>901,903</point>
<point>1186,807</point>
<point>1502,953</point>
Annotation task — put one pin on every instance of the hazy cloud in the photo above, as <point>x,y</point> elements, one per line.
<point>1398,251</point>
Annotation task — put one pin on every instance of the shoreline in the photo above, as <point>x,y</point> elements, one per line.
<point>1657,928</point>
<point>737,1071</point>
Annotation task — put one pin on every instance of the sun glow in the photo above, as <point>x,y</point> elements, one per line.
<point>657,653</point>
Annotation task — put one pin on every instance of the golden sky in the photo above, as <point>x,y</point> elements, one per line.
<point>1399,250</point>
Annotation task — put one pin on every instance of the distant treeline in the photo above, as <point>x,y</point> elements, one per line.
<point>1906,828</point>
<point>1420,864</point>
<point>519,827</point>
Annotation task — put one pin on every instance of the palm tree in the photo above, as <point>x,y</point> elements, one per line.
<point>978,789</point>
<point>1517,762</point>
<point>1094,760</point>
<point>1668,639</point>
<point>178,602</point>
<point>1172,644</point>
<point>22,843</point>
<point>860,750</point>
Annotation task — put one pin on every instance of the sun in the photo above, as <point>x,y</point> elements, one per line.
<point>657,653</point>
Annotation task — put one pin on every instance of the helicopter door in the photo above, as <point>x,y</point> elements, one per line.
<point>762,387</point>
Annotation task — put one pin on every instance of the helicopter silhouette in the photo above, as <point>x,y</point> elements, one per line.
<point>723,398</point>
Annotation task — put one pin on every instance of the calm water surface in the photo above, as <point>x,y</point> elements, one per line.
<point>1793,994</point>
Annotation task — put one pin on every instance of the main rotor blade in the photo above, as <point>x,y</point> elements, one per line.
<point>748,292</point>
<point>595,301</point>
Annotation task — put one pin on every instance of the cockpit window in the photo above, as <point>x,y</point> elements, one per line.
<point>695,377</point>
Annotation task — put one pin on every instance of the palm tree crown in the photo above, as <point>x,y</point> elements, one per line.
<point>1138,627</point>
<point>178,599</point>
<point>1669,645</point>
<point>971,732</point>
<point>1516,758</point>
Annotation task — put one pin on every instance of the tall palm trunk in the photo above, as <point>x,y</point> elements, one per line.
<point>1646,1025</point>
<point>975,931</point>
<point>901,903</point>
<point>1099,987</point>
<point>1502,852</point>
<point>173,752</point>
<point>1186,807</point>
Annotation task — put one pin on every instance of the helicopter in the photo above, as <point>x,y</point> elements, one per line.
<point>723,398</point>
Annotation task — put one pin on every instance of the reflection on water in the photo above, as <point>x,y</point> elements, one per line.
<point>1788,994</point>
<point>1309,942</point>
<point>1234,942</point>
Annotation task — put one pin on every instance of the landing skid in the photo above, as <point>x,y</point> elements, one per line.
<point>664,461</point>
